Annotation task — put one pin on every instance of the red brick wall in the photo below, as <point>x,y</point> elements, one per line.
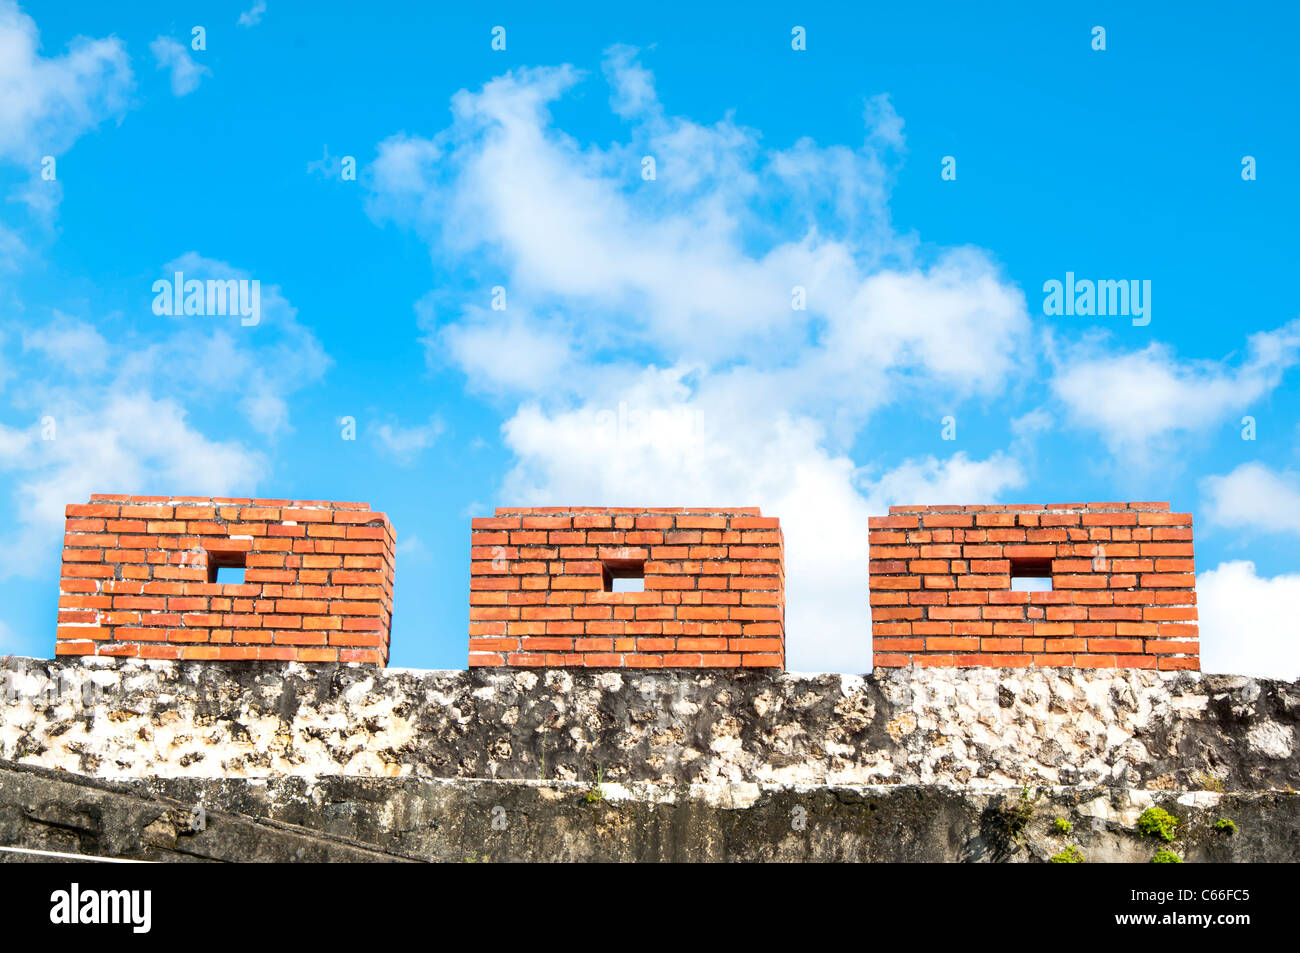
<point>1123,586</point>
<point>714,588</point>
<point>318,582</point>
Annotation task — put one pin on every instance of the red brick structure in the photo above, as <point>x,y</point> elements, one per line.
<point>140,578</point>
<point>1123,586</point>
<point>544,588</point>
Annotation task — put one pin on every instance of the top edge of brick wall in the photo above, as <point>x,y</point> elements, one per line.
<point>130,499</point>
<point>580,510</point>
<point>1145,507</point>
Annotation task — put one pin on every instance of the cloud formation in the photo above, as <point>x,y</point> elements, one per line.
<point>174,56</point>
<point>253,15</point>
<point>404,444</point>
<point>713,328</point>
<point>1136,400</point>
<point>1253,498</point>
<point>46,104</point>
<point>116,411</point>
<point>1248,622</point>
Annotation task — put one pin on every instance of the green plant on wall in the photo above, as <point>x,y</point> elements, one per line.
<point>1207,782</point>
<point>1018,815</point>
<point>1157,822</point>
<point>1062,826</point>
<point>1166,857</point>
<point>595,793</point>
<point>1225,826</point>
<point>1070,855</point>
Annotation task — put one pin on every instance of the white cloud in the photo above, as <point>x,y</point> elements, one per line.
<point>652,335</point>
<point>253,15</point>
<point>12,249</point>
<point>46,103</point>
<point>73,344</point>
<point>510,353</point>
<point>1029,425</point>
<point>955,480</point>
<point>631,85</point>
<point>174,56</point>
<point>1253,497</point>
<point>258,367</point>
<point>42,198</point>
<point>1248,622</point>
<point>957,322</point>
<point>405,443</point>
<point>401,173</point>
<point>412,547</point>
<point>690,264</point>
<point>201,359</point>
<point>15,442</point>
<point>884,122</point>
<point>1136,399</point>
<point>112,433</point>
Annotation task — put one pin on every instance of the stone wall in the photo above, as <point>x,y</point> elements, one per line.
<point>974,728</point>
<point>462,820</point>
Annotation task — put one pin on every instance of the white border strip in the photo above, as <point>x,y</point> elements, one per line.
<point>86,857</point>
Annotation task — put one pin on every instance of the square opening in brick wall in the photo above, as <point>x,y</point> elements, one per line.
<point>227,568</point>
<point>1031,575</point>
<point>623,575</point>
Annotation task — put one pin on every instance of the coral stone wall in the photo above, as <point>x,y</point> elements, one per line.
<point>1123,586</point>
<point>140,578</point>
<point>543,588</point>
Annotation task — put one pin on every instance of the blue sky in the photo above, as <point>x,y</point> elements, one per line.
<point>650,351</point>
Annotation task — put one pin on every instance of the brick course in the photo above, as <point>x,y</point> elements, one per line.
<point>318,579</point>
<point>714,588</point>
<point>1123,586</point>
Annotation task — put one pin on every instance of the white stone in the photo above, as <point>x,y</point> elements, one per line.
<point>1271,739</point>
